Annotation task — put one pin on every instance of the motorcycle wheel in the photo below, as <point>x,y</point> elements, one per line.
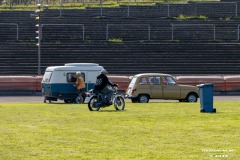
<point>92,104</point>
<point>119,103</point>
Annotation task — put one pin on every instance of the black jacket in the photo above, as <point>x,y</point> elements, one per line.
<point>101,82</point>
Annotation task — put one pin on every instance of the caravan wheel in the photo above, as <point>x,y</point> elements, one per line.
<point>77,100</point>
<point>67,100</point>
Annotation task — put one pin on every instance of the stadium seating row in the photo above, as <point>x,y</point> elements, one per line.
<point>134,50</point>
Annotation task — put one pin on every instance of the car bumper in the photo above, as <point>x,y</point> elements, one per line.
<point>130,97</point>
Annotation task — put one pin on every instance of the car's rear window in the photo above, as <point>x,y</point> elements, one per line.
<point>133,81</point>
<point>143,80</point>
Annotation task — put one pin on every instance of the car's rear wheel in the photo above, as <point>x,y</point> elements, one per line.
<point>192,97</point>
<point>182,100</point>
<point>134,100</point>
<point>143,98</point>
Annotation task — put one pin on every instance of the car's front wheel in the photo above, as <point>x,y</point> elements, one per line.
<point>143,98</point>
<point>192,97</point>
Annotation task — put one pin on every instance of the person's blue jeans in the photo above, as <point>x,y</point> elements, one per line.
<point>108,92</point>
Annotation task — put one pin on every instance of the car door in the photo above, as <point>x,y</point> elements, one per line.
<point>143,86</point>
<point>155,87</point>
<point>171,89</point>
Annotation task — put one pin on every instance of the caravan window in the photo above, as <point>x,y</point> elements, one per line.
<point>47,76</point>
<point>71,77</point>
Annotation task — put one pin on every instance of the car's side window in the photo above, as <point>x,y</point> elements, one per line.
<point>143,80</point>
<point>154,80</point>
<point>168,80</point>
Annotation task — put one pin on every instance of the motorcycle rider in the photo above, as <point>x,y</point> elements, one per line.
<point>102,83</point>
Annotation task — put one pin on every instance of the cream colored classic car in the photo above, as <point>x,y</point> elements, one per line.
<point>159,86</point>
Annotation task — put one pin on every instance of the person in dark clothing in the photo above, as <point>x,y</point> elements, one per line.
<point>102,83</point>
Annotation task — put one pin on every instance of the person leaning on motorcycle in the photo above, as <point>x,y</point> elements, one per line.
<point>102,83</point>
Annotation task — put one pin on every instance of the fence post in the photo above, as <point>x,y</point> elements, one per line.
<point>17,32</point>
<point>107,32</point>
<point>149,33</point>
<point>10,5</point>
<point>128,9</point>
<point>101,8</point>
<point>61,4</point>
<point>195,9</point>
<point>236,14</point>
<point>214,32</point>
<point>83,33</point>
<point>168,10</point>
<point>238,33</point>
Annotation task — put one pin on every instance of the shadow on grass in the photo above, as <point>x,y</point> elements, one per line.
<point>164,103</point>
<point>111,110</point>
<point>52,103</point>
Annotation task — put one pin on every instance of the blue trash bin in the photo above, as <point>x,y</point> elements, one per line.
<point>206,97</point>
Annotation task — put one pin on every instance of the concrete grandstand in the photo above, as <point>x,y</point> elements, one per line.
<point>126,41</point>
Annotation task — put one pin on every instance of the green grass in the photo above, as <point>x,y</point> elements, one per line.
<point>106,4</point>
<point>115,40</point>
<point>184,17</point>
<point>165,130</point>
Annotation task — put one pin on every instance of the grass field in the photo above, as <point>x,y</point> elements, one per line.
<point>165,130</point>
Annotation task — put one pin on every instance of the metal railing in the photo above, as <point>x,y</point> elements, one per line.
<point>148,26</point>
<point>83,29</point>
<point>235,5</point>
<point>12,3</point>
<point>101,3</point>
<point>214,28</point>
<point>14,24</point>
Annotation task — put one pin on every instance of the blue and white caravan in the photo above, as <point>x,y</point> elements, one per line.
<point>59,81</point>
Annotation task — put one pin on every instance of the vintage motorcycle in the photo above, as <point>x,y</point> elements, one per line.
<point>98,100</point>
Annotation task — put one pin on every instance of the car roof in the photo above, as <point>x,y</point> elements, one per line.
<point>151,74</point>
